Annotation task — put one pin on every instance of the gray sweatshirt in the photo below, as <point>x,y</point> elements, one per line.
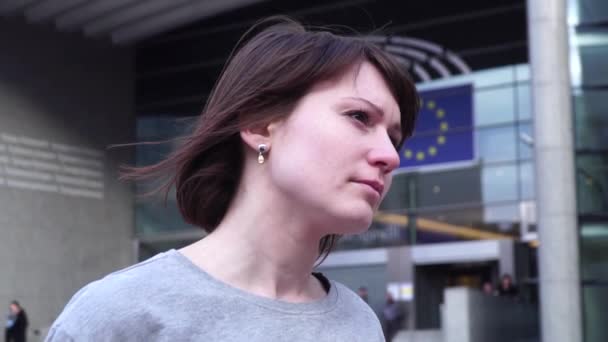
<point>168,298</point>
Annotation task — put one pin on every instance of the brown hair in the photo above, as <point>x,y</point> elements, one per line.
<point>274,64</point>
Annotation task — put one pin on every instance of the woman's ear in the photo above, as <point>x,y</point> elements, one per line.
<point>260,135</point>
<point>256,136</point>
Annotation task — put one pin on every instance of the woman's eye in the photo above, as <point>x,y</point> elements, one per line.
<point>360,116</point>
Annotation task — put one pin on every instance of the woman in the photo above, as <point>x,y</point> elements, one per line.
<point>392,317</point>
<point>295,147</point>
<point>16,325</point>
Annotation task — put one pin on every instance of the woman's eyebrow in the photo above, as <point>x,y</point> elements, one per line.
<point>396,128</point>
<point>369,103</point>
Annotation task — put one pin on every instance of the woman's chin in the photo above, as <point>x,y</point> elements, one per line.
<point>356,222</point>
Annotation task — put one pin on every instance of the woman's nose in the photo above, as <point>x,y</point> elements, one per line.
<point>385,156</point>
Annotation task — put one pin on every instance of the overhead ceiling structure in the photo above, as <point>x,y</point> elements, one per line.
<point>433,39</point>
<point>124,21</point>
<point>181,45</point>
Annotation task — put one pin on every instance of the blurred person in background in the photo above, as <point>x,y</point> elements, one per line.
<point>294,148</point>
<point>506,287</point>
<point>488,288</point>
<point>16,324</point>
<point>363,293</point>
<point>393,316</point>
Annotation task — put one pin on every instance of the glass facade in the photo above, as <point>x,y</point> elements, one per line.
<point>154,217</point>
<point>588,21</point>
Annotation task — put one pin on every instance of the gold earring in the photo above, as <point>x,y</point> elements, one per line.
<point>262,148</point>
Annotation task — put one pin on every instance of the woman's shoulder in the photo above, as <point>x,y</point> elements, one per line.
<point>133,281</point>
<point>350,301</point>
<point>119,298</point>
<point>357,314</point>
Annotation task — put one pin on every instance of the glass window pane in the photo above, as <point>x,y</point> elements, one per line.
<point>479,79</point>
<point>504,218</point>
<point>591,119</point>
<point>524,105</point>
<point>399,193</point>
<point>589,11</point>
<point>496,144</point>
<point>522,72</point>
<point>594,273</point>
<point>494,106</point>
<point>152,216</point>
<point>493,77</point>
<point>526,181</point>
<point>593,53</point>
<point>499,183</point>
<point>594,251</point>
<point>448,187</point>
<point>592,183</point>
<point>525,143</point>
<point>595,306</point>
<point>467,223</point>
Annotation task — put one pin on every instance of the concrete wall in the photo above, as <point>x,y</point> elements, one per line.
<point>471,316</point>
<point>64,218</point>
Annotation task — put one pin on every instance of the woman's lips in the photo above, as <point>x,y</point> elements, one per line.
<point>374,184</point>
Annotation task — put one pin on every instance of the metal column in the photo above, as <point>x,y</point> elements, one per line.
<point>558,257</point>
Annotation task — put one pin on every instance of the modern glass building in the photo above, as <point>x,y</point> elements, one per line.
<point>588,24</point>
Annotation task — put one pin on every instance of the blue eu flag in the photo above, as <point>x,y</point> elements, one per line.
<point>444,130</point>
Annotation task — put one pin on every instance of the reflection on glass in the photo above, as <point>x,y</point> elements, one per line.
<point>522,72</point>
<point>494,77</point>
<point>448,187</point>
<point>594,251</point>
<point>473,222</point>
<point>496,144</point>
<point>595,311</point>
<point>501,213</point>
<point>525,137</point>
<point>152,217</point>
<point>480,79</point>
<point>494,106</point>
<point>590,10</point>
<point>526,181</point>
<point>499,183</point>
<point>524,106</point>
<point>593,56</point>
<point>399,193</point>
<point>594,273</point>
<point>505,218</point>
<point>591,121</point>
<point>592,183</point>
<point>151,214</point>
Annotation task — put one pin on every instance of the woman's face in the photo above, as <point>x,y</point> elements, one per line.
<point>334,154</point>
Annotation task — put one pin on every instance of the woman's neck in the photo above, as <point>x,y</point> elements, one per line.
<point>262,252</point>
